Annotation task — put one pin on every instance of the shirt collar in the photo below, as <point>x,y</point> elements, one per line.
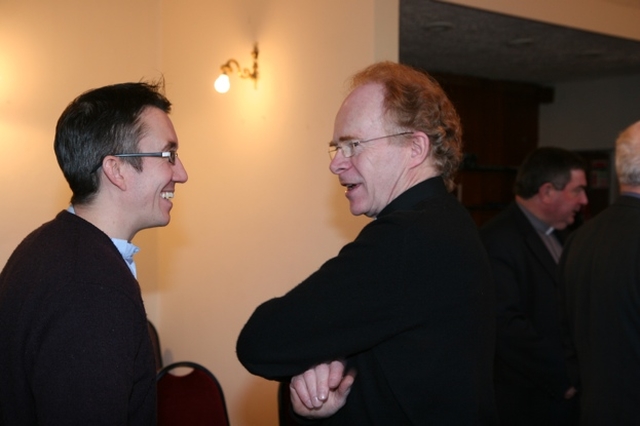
<point>537,224</point>
<point>127,250</point>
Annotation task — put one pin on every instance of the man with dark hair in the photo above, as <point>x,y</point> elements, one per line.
<point>600,276</point>
<point>74,343</point>
<point>398,328</point>
<point>531,378</point>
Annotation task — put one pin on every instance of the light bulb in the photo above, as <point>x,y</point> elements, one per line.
<point>222,83</point>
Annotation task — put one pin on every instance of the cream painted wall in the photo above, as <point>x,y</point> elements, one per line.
<point>50,52</point>
<point>261,210</point>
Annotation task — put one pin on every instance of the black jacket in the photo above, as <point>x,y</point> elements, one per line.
<point>409,304</point>
<point>529,350</point>
<point>600,272</point>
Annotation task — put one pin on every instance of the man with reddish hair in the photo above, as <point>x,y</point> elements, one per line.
<point>398,328</point>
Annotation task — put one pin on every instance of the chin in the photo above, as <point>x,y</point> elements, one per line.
<point>161,222</point>
<point>356,211</point>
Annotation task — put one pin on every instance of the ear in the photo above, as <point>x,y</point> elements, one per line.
<point>420,147</point>
<point>112,169</point>
<point>546,192</point>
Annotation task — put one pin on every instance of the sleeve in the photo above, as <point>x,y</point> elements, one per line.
<point>84,355</point>
<point>352,303</point>
<point>519,344</point>
<point>573,369</point>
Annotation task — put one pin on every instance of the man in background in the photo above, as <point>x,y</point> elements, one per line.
<point>74,344</point>
<point>600,273</point>
<point>531,378</point>
<point>406,310</point>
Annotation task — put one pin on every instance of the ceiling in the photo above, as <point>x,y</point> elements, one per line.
<point>452,39</point>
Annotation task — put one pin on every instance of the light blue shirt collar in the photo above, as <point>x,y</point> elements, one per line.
<point>127,250</point>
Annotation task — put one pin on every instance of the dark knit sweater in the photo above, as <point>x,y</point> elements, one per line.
<point>74,346</point>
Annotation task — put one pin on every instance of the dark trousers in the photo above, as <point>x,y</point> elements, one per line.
<point>519,406</point>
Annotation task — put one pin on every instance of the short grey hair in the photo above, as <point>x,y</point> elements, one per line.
<point>628,155</point>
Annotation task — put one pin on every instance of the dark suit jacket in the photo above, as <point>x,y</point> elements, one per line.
<point>529,351</point>
<point>408,304</point>
<point>600,270</point>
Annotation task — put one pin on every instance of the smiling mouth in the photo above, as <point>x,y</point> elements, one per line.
<point>167,195</point>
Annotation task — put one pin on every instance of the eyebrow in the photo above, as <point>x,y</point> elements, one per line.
<point>343,139</point>
<point>171,146</point>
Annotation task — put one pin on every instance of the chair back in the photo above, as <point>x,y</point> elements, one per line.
<point>194,399</point>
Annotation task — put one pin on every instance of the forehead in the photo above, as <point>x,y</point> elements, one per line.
<point>578,178</point>
<point>158,132</point>
<point>361,113</point>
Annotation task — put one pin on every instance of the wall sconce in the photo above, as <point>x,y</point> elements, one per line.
<point>222,83</point>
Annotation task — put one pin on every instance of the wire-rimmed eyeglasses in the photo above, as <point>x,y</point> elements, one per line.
<point>170,155</point>
<point>348,148</point>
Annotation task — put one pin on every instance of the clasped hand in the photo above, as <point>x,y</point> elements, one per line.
<point>322,390</point>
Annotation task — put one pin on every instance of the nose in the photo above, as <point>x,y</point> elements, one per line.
<point>583,199</point>
<point>179,172</point>
<point>339,163</point>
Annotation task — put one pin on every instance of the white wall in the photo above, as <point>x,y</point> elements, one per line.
<point>590,114</point>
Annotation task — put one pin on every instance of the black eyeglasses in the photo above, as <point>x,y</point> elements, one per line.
<point>348,148</point>
<point>170,155</point>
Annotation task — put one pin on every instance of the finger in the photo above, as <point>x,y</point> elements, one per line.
<point>296,403</point>
<point>322,372</point>
<point>336,371</point>
<point>311,381</point>
<point>346,383</point>
<point>299,388</point>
